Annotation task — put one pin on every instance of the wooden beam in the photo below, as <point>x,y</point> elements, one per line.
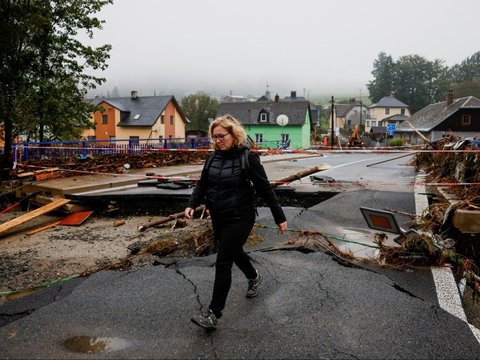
<point>55,204</point>
<point>37,230</point>
<point>420,134</point>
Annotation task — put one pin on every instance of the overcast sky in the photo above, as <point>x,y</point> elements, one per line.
<point>315,47</point>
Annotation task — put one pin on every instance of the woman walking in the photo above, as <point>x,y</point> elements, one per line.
<point>230,180</point>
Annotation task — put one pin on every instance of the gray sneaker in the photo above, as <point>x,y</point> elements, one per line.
<point>207,321</point>
<point>253,285</point>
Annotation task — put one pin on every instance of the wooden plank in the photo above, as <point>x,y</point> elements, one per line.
<point>55,204</point>
<point>45,176</point>
<point>37,230</point>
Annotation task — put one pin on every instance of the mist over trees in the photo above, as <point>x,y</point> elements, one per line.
<point>43,67</point>
<point>418,82</point>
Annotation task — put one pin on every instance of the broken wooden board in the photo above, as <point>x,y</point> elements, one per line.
<point>76,218</point>
<point>40,200</point>
<point>37,230</point>
<point>55,204</point>
<point>45,176</point>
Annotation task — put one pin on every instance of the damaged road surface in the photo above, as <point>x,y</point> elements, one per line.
<point>311,304</point>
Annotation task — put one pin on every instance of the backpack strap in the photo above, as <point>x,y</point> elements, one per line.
<point>244,161</point>
<point>209,161</point>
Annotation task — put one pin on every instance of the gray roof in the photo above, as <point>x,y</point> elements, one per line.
<point>396,117</point>
<point>390,102</point>
<point>248,113</point>
<point>148,107</point>
<point>434,114</point>
<point>342,109</point>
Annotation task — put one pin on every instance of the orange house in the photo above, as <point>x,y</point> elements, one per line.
<point>135,117</point>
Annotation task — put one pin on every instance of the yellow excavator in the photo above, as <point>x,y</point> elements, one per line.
<point>355,140</point>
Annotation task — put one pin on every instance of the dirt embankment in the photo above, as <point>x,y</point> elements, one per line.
<point>28,261</point>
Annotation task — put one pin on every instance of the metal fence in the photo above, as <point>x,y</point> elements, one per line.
<point>82,148</point>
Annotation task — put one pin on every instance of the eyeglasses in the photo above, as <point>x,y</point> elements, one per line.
<point>219,137</point>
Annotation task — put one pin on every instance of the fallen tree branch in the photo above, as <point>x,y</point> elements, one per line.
<point>167,219</point>
<point>301,174</point>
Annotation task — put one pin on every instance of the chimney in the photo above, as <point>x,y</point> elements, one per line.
<point>449,98</point>
<point>293,94</point>
<point>277,98</point>
<point>134,95</point>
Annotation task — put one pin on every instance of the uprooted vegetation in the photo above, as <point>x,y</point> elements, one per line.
<point>455,169</point>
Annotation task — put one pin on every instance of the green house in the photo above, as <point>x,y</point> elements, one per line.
<point>274,123</point>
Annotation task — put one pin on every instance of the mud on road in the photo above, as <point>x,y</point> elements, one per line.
<point>28,261</point>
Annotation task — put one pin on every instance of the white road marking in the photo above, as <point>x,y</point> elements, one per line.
<point>445,284</point>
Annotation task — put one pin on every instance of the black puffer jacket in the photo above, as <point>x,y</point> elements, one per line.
<point>226,189</point>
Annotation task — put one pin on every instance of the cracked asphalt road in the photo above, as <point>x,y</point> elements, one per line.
<point>309,307</point>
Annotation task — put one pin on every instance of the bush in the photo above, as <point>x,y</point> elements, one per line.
<point>396,142</point>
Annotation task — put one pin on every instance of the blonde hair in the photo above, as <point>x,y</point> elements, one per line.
<point>233,126</point>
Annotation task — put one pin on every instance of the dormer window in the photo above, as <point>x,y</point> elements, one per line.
<point>263,116</point>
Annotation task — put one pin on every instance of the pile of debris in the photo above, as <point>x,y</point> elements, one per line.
<point>111,163</point>
<point>448,232</point>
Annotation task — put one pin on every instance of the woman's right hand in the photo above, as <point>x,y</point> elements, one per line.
<point>189,213</point>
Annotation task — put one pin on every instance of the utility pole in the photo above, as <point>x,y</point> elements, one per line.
<point>332,113</point>
<point>361,110</point>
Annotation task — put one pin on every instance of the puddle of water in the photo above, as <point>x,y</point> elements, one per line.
<point>21,293</point>
<point>92,345</point>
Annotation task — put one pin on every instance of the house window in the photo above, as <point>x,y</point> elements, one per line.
<point>367,123</point>
<point>171,119</point>
<point>374,122</point>
<point>134,140</point>
<point>104,119</point>
<point>402,111</point>
<point>263,116</point>
<point>466,119</point>
<point>349,122</point>
<point>162,119</point>
<point>258,138</point>
<point>387,111</point>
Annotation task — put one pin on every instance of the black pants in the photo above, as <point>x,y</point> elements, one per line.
<point>230,236</point>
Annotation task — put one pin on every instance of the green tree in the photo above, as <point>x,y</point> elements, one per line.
<point>467,70</point>
<point>467,88</point>
<point>198,108</point>
<point>418,82</point>
<point>382,83</point>
<point>412,79</point>
<point>44,67</point>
